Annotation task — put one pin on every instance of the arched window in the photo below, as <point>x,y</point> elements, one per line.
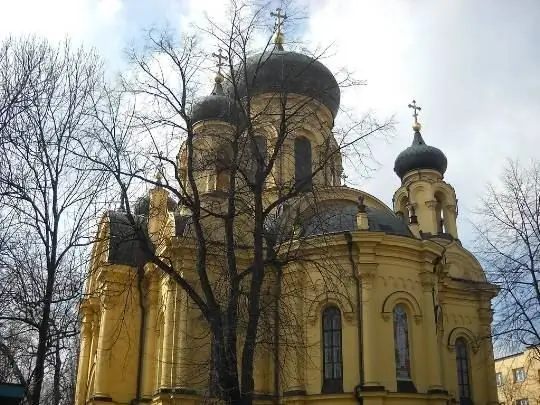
<point>303,171</point>
<point>223,164</point>
<point>402,350</point>
<point>463,376</point>
<point>332,352</point>
<point>440,216</point>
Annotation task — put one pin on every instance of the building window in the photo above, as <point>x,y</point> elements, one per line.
<point>519,374</point>
<point>303,171</point>
<point>463,375</point>
<point>499,379</point>
<point>402,350</point>
<point>523,401</point>
<point>332,353</point>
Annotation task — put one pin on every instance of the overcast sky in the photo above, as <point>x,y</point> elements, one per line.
<point>473,66</point>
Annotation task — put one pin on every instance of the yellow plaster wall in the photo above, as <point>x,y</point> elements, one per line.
<point>510,391</point>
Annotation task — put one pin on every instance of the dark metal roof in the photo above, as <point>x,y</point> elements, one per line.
<point>340,216</point>
<point>216,106</point>
<point>420,156</point>
<point>290,72</point>
<point>124,239</point>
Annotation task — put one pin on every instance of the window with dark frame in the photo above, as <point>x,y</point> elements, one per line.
<point>303,171</point>
<point>463,372</point>
<point>332,351</point>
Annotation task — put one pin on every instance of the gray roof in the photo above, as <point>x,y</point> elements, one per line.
<point>341,216</point>
<point>420,156</point>
<point>124,239</point>
<point>290,72</point>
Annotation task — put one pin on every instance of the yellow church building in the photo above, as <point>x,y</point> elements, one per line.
<point>402,317</point>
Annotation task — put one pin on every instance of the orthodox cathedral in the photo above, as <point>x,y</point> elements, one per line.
<point>404,318</point>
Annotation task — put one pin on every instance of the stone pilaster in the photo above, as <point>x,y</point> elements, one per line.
<point>370,315</point>
<point>149,351</point>
<point>107,333</point>
<point>85,353</point>
<point>167,349</point>
<point>428,280</point>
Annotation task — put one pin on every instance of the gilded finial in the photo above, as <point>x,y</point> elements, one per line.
<point>416,126</point>
<point>280,18</point>
<point>220,59</point>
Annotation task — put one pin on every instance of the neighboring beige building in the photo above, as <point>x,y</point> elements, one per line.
<point>518,378</point>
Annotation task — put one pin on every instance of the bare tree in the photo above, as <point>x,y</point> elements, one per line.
<point>508,240</point>
<point>48,201</point>
<point>232,195</point>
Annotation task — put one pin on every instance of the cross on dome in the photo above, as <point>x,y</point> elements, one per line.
<point>280,19</point>
<point>416,108</point>
<point>220,59</point>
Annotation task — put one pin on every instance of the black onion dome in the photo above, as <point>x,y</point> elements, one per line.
<point>142,205</point>
<point>216,106</point>
<point>420,156</point>
<point>290,72</point>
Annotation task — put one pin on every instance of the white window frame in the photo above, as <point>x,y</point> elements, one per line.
<point>499,379</point>
<point>519,374</point>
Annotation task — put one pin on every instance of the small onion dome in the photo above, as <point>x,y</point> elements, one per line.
<point>420,156</point>
<point>142,205</point>
<point>283,71</point>
<point>216,106</point>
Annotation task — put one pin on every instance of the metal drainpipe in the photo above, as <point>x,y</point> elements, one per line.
<point>354,269</point>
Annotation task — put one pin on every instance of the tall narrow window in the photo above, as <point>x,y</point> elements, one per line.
<point>223,164</point>
<point>303,171</point>
<point>402,350</point>
<point>332,354</point>
<point>463,376</point>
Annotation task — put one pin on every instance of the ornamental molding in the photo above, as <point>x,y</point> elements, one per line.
<point>401,297</point>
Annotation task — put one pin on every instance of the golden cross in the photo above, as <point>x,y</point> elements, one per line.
<point>220,58</point>
<point>280,18</point>
<point>415,109</point>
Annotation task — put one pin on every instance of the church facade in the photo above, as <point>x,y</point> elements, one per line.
<point>403,317</point>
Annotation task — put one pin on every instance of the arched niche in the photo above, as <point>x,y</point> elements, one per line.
<point>461,332</point>
<point>328,298</point>
<point>401,297</point>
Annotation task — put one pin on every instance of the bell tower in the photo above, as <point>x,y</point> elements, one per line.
<point>425,200</point>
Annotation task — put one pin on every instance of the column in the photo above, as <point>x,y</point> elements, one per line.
<point>370,314</point>
<point>149,351</point>
<point>429,224</point>
<point>428,280</point>
<point>84,355</point>
<point>450,218</point>
<point>181,346</point>
<point>485,316</point>
<point>290,351</point>
<point>106,340</point>
<point>168,335</point>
